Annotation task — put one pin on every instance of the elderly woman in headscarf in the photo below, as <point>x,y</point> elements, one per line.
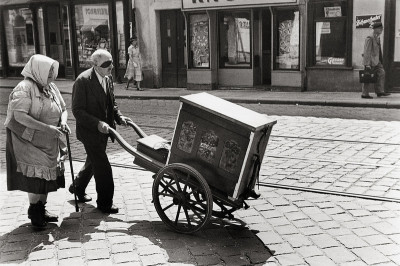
<point>36,119</point>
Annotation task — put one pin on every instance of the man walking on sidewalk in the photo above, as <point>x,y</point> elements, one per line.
<point>373,59</point>
<point>95,110</point>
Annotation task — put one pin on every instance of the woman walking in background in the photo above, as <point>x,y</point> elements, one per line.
<point>134,67</point>
<point>36,119</point>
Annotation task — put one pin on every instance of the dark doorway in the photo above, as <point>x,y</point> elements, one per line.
<point>173,47</point>
<point>54,37</point>
<point>266,46</point>
<point>392,56</point>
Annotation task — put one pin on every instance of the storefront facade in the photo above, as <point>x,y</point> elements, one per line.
<point>337,31</point>
<point>302,45</point>
<point>67,31</point>
<point>213,44</point>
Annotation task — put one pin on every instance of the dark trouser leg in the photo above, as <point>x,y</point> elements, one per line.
<point>364,89</point>
<point>83,177</point>
<point>102,173</point>
<point>380,83</point>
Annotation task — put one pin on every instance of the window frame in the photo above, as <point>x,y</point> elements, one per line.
<point>276,37</point>
<point>111,23</point>
<point>312,19</point>
<point>189,35</point>
<point>250,11</point>
<point>33,9</point>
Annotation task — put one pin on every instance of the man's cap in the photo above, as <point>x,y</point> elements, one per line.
<point>377,25</point>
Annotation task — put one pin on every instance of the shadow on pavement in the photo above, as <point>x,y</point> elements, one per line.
<point>221,242</point>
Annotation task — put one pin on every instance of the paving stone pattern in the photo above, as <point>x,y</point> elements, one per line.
<point>282,227</point>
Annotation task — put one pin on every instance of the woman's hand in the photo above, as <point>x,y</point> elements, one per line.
<point>65,128</point>
<point>55,131</point>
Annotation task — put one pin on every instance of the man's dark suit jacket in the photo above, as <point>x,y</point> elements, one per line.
<point>90,104</point>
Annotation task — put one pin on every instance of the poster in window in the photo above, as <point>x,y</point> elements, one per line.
<point>326,28</point>
<point>199,42</point>
<point>333,11</point>
<point>288,52</point>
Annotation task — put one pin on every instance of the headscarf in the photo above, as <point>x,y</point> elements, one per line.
<point>38,68</point>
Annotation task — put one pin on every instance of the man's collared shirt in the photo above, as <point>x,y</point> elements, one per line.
<point>102,80</point>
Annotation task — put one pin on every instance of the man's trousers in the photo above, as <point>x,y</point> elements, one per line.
<point>97,165</point>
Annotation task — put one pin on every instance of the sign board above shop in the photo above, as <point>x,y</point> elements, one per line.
<point>367,21</point>
<point>214,4</point>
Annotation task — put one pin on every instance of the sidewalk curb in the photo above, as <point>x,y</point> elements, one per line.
<point>386,105</point>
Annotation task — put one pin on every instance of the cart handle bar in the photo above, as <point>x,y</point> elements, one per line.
<point>137,129</point>
<point>151,162</point>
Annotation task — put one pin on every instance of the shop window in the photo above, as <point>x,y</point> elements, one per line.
<point>92,31</point>
<point>199,41</point>
<point>287,40</point>
<point>120,34</point>
<point>19,35</point>
<point>331,33</point>
<point>235,39</point>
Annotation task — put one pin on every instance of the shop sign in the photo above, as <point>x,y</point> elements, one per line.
<point>95,12</point>
<point>332,61</point>
<point>196,4</point>
<point>333,11</point>
<point>367,21</point>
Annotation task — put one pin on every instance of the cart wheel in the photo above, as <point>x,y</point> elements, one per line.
<point>182,198</point>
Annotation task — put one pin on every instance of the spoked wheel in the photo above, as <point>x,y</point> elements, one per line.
<point>182,198</point>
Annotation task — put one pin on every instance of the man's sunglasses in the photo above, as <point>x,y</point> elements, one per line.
<point>106,64</point>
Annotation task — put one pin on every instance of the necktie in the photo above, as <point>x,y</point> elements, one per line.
<point>104,84</point>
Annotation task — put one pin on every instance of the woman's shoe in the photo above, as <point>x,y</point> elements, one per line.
<point>49,217</point>
<point>139,89</point>
<point>36,213</point>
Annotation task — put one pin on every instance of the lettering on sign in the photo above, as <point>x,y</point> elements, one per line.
<point>335,61</point>
<point>208,1</point>
<point>367,21</point>
<point>195,4</point>
<point>95,12</point>
<point>333,11</point>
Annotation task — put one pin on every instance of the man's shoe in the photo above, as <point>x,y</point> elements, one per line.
<point>382,94</point>
<point>366,97</point>
<point>109,209</point>
<point>81,197</point>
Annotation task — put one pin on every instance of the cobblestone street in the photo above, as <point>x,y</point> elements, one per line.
<point>282,227</point>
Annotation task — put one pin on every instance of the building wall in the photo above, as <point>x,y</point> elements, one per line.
<point>148,32</point>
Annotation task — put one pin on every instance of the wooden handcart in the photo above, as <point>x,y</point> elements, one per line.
<point>214,159</point>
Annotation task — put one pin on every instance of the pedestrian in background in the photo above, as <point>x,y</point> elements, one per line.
<point>95,110</point>
<point>36,119</point>
<point>373,59</point>
<point>134,67</point>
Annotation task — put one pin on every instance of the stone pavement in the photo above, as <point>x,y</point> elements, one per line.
<point>282,227</point>
<point>347,99</point>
